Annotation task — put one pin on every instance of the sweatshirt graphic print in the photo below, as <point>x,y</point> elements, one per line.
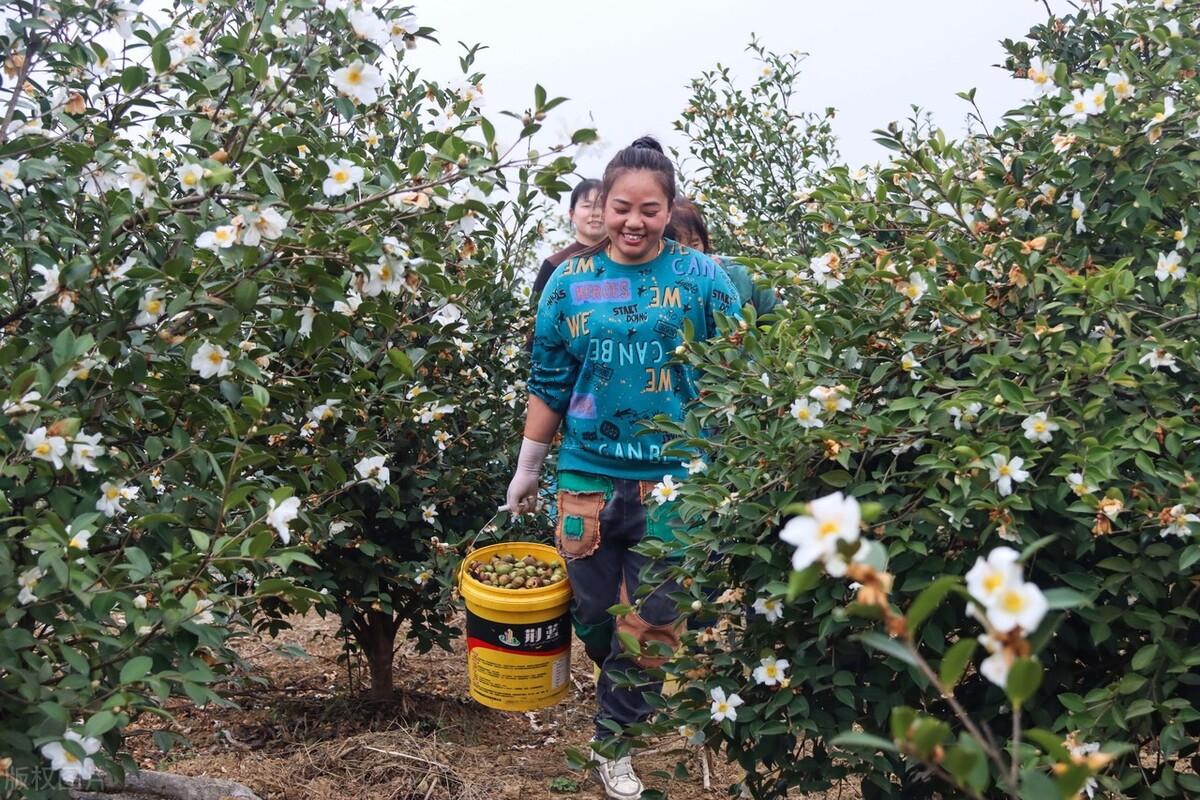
<point>605,332</point>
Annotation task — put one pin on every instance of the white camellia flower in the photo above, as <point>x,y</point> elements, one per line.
<point>383,276</point>
<point>1017,605</point>
<point>373,471</point>
<point>1177,520</point>
<point>360,82</point>
<point>429,513</point>
<point>325,411</point>
<point>28,581</point>
<point>1038,428</point>
<point>307,315</point>
<point>1180,237</point>
<point>510,396</point>
<point>140,602</point>
<point>211,360</point>
<point>218,239</point>
<point>26,405</point>
<point>807,413</point>
<point>448,314</point>
<point>1162,116</point>
<point>830,398</point>
<point>1097,98</point>
<point>70,767</point>
<point>44,447</point>
<point>915,287</point>
<point>137,180</point>
<point>769,607</point>
<point>909,363</point>
<point>350,305</point>
<point>824,270</point>
<point>990,576</point>
<point>1078,108</point>
<point>81,371</point>
<point>997,665</point>
<point>472,93</point>
<point>441,438</point>
<point>771,671</point>
<point>191,177</point>
<point>203,612</point>
<point>78,540</point>
<point>1078,209</point>
<point>84,449</point>
<point>832,519</point>
<point>1042,75</point>
<point>1004,472</point>
<point>665,491</point>
<point>187,42</point>
<point>402,30</point>
<point>344,175</point>
<point>695,466</point>
<point>111,495</point>
<point>1121,87</point>
<point>10,172</point>
<point>1080,486</point>
<point>266,224</point>
<point>367,25</point>
<point>1160,357</point>
<point>724,707</point>
<point>50,285</point>
<point>150,308</point>
<point>279,516</point>
<point>966,416</point>
<point>1169,267</point>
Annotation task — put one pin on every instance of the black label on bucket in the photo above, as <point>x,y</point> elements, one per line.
<point>541,637</point>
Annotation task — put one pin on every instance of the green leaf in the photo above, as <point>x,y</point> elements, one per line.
<point>401,361</point>
<point>1061,598</point>
<point>928,601</point>
<point>136,668</point>
<point>887,645</point>
<point>1050,742</point>
<point>1024,678</point>
<point>1036,785</point>
<point>160,57</point>
<point>954,663</point>
<point>1139,708</point>
<point>100,723</point>
<point>1144,657</point>
<point>629,643</point>
<point>803,581</point>
<point>865,741</point>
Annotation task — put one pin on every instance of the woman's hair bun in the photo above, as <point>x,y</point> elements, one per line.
<point>647,143</point>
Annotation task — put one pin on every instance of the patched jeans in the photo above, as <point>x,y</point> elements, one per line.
<point>599,520</point>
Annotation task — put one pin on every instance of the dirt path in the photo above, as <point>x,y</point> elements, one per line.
<point>308,733</point>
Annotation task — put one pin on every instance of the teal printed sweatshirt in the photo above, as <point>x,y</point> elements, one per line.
<point>605,332</point>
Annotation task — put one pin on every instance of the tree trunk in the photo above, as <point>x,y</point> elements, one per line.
<point>377,638</point>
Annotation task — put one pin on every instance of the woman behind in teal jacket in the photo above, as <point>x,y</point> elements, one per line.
<point>687,227</point>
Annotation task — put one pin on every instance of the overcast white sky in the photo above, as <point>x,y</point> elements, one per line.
<point>627,63</point>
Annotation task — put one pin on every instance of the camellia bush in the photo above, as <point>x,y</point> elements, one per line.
<point>990,356</point>
<point>752,157</point>
<point>260,350</point>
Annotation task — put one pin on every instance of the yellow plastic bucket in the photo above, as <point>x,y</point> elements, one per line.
<point>518,640</point>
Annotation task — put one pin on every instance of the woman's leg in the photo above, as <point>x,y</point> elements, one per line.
<point>655,619</point>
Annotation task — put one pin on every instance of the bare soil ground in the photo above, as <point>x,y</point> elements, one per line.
<point>309,732</point>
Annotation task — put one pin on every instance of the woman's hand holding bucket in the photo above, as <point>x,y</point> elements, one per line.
<point>523,488</point>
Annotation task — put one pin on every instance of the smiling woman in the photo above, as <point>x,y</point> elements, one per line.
<point>607,324</point>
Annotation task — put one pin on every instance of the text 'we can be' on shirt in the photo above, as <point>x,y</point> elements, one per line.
<point>605,332</point>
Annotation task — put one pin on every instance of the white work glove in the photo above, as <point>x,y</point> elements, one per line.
<point>523,488</point>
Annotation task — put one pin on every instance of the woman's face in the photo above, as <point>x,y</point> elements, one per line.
<point>689,237</point>
<point>588,218</point>
<point>635,213</point>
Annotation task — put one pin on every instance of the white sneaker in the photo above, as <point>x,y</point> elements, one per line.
<point>618,778</point>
